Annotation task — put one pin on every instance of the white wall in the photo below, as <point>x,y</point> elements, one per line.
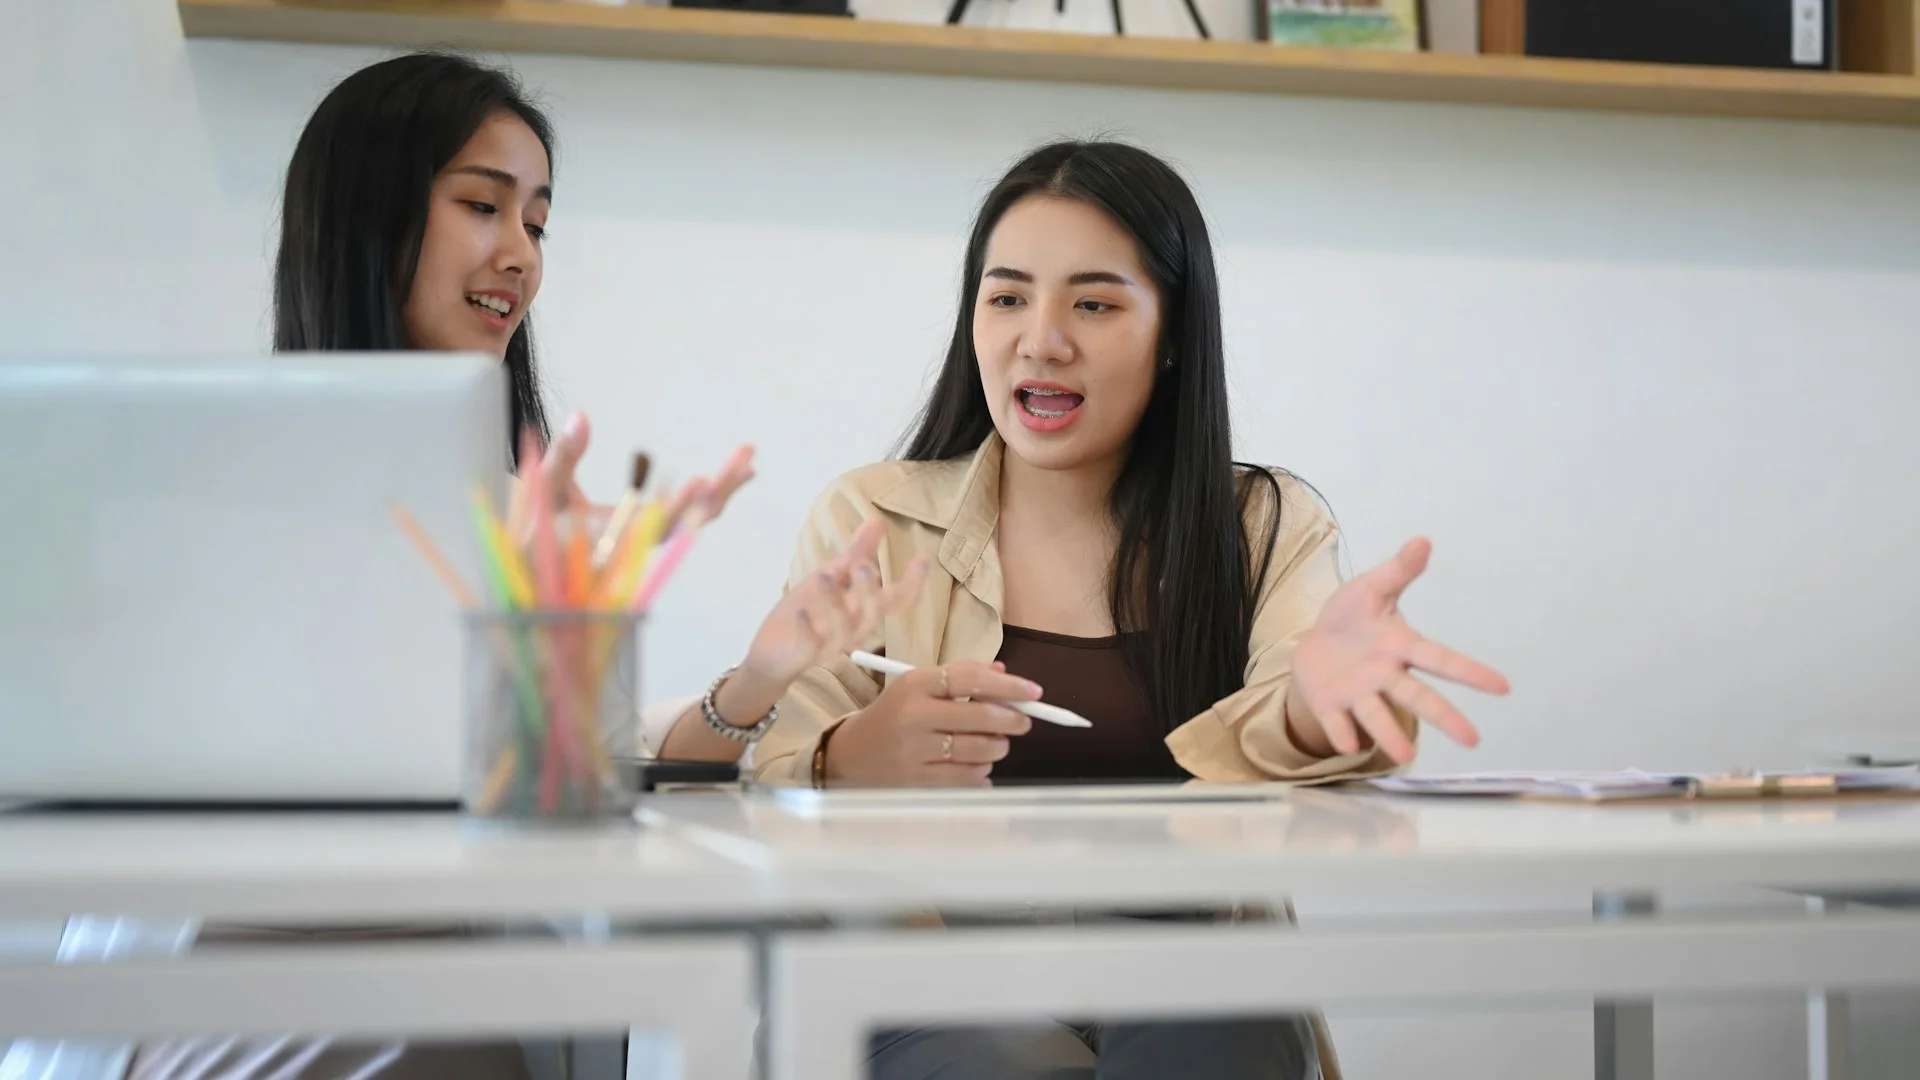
<point>1646,381</point>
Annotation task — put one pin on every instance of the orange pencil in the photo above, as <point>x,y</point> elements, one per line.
<point>411,526</point>
<point>579,560</point>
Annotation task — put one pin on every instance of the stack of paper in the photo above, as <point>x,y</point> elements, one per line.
<point>1637,784</point>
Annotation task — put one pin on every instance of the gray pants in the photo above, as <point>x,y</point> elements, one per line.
<point>1276,1048</point>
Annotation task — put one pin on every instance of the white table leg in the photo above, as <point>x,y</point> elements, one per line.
<point>826,992</point>
<point>701,990</point>
<point>1829,1028</point>
<point>1623,1030</point>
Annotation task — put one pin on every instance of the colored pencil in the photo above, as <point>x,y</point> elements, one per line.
<point>553,605</point>
<point>675,551</point>
<point>441,568</point>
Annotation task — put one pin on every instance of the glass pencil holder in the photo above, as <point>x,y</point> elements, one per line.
<point>549,696</point>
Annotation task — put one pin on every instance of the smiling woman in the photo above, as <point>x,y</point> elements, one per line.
<point>416,200</point>
<point>416,203</point>
<point>480,263</point>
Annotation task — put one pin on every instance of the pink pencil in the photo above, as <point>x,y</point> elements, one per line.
<point>550,589</point>
<point>549,583</point>
<point>669,560</point>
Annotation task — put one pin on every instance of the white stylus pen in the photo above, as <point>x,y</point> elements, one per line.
<point>1039,710</point>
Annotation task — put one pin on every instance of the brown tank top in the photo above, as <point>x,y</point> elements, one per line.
<point>1089,676</point>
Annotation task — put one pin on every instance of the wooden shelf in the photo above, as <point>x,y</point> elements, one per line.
<point>1253,67</point>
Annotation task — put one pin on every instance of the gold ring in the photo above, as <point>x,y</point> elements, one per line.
<point>946,747</point>
<point>944,692</point>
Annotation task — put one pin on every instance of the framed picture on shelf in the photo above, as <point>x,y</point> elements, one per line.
<point>1356,24</point>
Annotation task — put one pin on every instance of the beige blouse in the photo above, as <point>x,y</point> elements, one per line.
<point>947,511</point>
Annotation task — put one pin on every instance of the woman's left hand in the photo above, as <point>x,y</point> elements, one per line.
<point>1361,654</point>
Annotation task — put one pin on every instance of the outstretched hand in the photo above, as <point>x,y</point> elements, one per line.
<point>1361,655</point>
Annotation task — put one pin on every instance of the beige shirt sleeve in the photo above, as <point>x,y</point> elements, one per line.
<point>1244,736</point>
<point>825,694</point>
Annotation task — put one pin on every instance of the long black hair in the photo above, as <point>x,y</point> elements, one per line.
<point>355,209</point>
<point>1184,574</point>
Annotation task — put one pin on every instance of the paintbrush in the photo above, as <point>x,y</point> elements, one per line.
<point>622,513</point>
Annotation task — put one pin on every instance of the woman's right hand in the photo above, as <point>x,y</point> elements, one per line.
<point>923,731</point>
<point>830,612</point>
<point>834,609</point>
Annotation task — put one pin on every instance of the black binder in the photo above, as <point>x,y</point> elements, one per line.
<point>1736,33</point>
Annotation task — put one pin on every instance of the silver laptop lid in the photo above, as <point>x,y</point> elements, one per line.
<point>203,594</point>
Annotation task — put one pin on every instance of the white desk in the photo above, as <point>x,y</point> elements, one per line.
<point>699,987</point>
<point>302,867</point>
<point>827,991</point>
<point>730,863</point>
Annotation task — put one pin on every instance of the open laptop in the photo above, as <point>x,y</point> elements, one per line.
<point>204,597</point>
